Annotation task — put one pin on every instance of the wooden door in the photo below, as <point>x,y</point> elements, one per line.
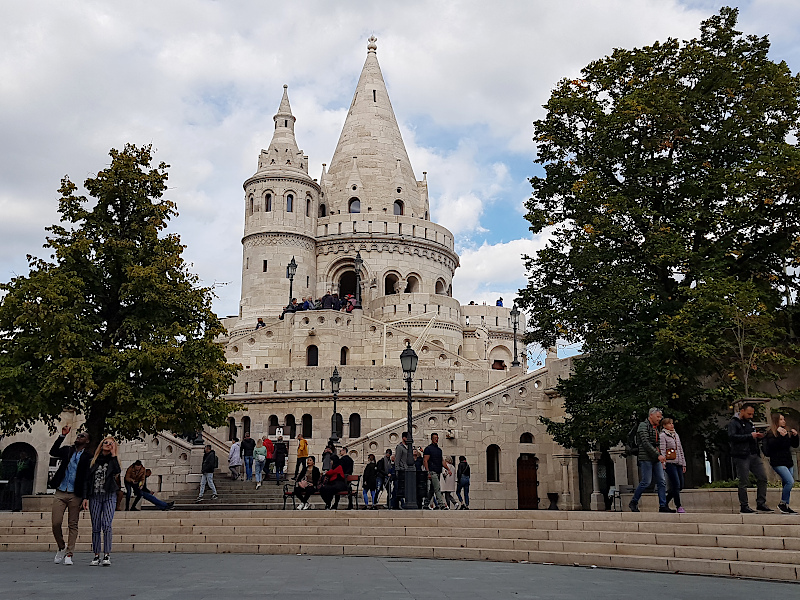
<point>527,482</point>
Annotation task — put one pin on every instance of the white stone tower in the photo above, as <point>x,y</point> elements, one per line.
<point>281,207</point>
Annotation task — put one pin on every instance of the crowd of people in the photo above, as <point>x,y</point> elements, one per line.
<point>327,302</point>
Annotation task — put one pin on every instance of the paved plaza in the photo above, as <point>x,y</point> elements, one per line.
<point>222,576</point>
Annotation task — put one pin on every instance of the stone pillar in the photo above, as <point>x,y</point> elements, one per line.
<point>597,502</point>
<point>570,494</point>
<point>621,479</point>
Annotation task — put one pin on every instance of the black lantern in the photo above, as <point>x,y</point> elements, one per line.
<point>409,360</point>
<point>515,324</point>
<point>358,263</point>
<point>291,269</point>
<point>336,379</point>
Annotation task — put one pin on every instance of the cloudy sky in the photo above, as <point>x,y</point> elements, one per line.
<point>200,80</point>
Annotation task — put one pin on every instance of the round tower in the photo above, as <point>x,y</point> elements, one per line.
<point>281,204</point>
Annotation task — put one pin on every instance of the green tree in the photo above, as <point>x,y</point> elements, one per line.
<point>113,326</point>
<point>665,167</point>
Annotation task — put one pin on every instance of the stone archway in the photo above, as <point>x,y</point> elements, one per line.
<point>20,477</point>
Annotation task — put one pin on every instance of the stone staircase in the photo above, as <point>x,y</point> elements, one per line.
<point>756,546</point>
<point>233,495</point>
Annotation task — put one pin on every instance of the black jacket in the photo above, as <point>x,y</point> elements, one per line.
<point>778,449</point>
<point>111,483</point>
<point>740,438</point>
<point>370,478</point>
<point>64,454</point>
<point>383,467</point>
<point>248,445</point>
<point>209,462</point>
<point>315,475</point>
<point>463,470</point>
<point>347,464</point>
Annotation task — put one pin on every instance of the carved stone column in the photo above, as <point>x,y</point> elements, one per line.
<point>570,495</point>
<point>597,502</point>
<point>621,479</point>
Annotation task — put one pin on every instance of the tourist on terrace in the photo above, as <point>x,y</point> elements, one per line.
<point>402,462</point>
<point>307,483</point>
<point>260,323</point>
<point>743,439</point>
<point>328,454</point>
<point>302,454</point>
<point>433,463</point>
<point>777,446</point>
<point>334,482</point>
<point>383,468</point>
<point>248,446</point>
<point>462,476</point>
<point>210,463</point>
<point>327,301</point>
<point>672,449</point>
<point>279,456</point>
<point>259,460</point>
<point>449,482</point>
<point>347,465</point>
<point>100,496</point>
<point>235,458</point>
<point>369,481</point>
<point>270,456</point>
<point>651,462</point>
<point>136,481</point>
<point>68,481</point>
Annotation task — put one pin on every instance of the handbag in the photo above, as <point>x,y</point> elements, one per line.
<point>671,454</point>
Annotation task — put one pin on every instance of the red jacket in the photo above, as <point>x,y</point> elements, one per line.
<point>334,474</point>
<point>270,447</point>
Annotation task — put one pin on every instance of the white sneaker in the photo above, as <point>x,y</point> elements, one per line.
<point>309,506</point>
<point>60,556</point>
<point>258,485</point>
<point>95,561</point>
<point>299,506</point>
<point>106,561</point>
<point>68,559</point>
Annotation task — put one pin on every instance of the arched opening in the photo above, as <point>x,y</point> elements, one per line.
<point>459,351</point>
<point>312,356</point>
<point>323,210</point>
<point>308,207</point>
<point>339,425</point>
<point>389,283</point>
<point>245,426</point>
<point>355,425</point>
<point>272,424</point>
<point>289,203</point>
<point>343,355</point>
<point>252,205</point>
<point>493,463</point>
<point>440,289</point>
<point>499,365</point>
<point>527,482</point>
<point>18,466</point>
<point>347,284</point>
<point>526,438</point>
<point>398,207</point>
<point>289,426</point>
<point>412,284</point>
<point>231,428</point>
<point>268,203</point>
<point>307,430</point>
<point>354,205</point>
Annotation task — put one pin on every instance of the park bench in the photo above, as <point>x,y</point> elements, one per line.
<point>353,482</point>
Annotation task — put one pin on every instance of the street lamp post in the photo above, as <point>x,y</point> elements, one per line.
<point>515,323</point>
<point>336,379</point>
<point>357,263</point>
<point>409,359</point>
<point>291,270</point>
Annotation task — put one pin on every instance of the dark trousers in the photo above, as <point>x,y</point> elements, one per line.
<point>327,492</point>
<point>675,480</point>
<point>301,460</point>
<point>136,490</point>
<point>303,494</point>
<point>744,466</point>
<point>399,489</point>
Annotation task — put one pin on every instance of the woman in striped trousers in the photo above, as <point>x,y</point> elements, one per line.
<point>100,496</point>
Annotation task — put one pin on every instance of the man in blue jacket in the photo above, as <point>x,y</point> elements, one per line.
<point>69,483</point>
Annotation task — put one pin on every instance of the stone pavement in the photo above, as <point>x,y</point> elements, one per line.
<point>154,576</point>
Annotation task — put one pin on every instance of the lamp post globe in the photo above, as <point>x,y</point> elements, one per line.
<point>515,324</point>
<point>409,360</point>
<point>336,380</point>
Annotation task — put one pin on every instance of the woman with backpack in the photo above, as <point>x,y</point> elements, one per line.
<point>675,465</point>
<point>777,445</point>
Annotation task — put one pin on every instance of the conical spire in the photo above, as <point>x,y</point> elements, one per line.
<point>372,136</point>
<point>283,153</point>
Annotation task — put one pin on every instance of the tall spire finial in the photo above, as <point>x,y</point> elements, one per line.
<point>372,46</point>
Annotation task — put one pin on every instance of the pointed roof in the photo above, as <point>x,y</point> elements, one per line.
<point>283,153</point>
<point>370,134</point>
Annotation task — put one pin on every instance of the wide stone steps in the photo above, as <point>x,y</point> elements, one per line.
<point>762,546</point>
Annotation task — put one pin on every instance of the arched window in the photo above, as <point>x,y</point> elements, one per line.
<point>355,425</point>
<point>440,286</point>
<point>354,205</point>
<point>398,207</point>
<point>307,426</point>
<point>493,463</point>
<point>245,425</point>
<point>412,285</point>
<point>339,425</point>
<point>323,210</point>
<point>289,426</point>
<point>268,203</point>
<point>231,428</point>
<point>526,438</point>
<point>312,356</point>
<point>389,283</point>
<point>308,207</point>
<point>273,424</point>
<point>252,205</point>
<point>343,355</point>
<point>289,203</point>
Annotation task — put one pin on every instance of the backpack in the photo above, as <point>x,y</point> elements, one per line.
<point>632,445</point>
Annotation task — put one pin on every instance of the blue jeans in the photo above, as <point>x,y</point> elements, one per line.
<point>259,467</point>
<point>365,495</point>
<point>788,482</point>
<point>159,503</point>
<point>463,484</point>
<point>248,467</point>
<point>675,477</point>
<point>647,470</point>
